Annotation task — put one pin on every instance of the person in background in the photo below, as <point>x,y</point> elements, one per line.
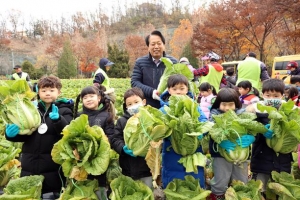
<point>211,72</point>
<point>293,95</point>
<point>252,70</point>
<point>224,171</point>
<point>186,61</point>
<point>36,150</point>
<point>177,85</point>
<point>100,76</point>
<point>248,94</point>
<point>148,69</point>
<point>286,92</point>
<point>20,75</point>
<point>230,75</point>
<point>264,159</point>
<point>208,96</point>
<point>295,80</point>
<point>97,106</point>
<point>293,67</point>
<point>132,166</point>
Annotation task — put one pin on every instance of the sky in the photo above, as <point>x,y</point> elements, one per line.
<point>54,9</point>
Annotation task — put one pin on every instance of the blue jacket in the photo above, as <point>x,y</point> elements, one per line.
<point>171,168</point>
<point>213,149</point>
<point>146,75</point>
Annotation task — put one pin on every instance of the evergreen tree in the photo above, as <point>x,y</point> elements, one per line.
<point>66,64</point>
<point>121,59</point>
<point>27,67</point>
<point>188,53</point>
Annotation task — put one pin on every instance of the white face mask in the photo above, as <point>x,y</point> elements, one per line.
<point>134,108</point>
<point>273,102</point>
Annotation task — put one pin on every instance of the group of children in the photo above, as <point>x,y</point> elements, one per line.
<point>56,113</point>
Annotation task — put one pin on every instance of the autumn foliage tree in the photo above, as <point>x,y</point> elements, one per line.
<point>182,36</point>
<point>136,47</point>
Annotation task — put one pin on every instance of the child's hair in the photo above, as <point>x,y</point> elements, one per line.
<point>105,100</point>
<point>135,91</point>
<point>227,95</point>
<point>177,79</point>
<point>49,81</point>
<point>247,85</point>
<point>295,79</point>
<point>293,92</point>
<point>206,86</point>
<point>273,84</point>
<point>230,71</point>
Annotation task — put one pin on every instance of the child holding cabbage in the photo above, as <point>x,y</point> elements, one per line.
<point>36,150</point>
<point>264,159</point>
<point>177,85</point>
<point>225,171</point>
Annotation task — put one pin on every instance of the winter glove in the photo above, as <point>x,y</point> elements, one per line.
<point>54,114</point>
<point>128,151</point>
<point>227,145</point>
<point>155,95</point>
<point>11,130</point>
<point>269,133</point>
<point>245,140</point>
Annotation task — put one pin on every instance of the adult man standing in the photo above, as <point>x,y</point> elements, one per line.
<point>252,70</point>
<point>20,75</point>
<point>293,67</point>
<point>148,69</point>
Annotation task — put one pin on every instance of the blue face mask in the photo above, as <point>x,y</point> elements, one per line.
<point>273,102</point>
<point>134,108</point>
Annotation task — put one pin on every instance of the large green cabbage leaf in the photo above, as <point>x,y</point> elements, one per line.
<point>125,188</point>
<point>82,150</point>
<point>242,191</point>
<point>7,152</point>
<point>16,106</point>
<point>230,126</point>
<point>285,122</point>
<point>27,186</point>
<point>145,126</point>
<point>285,185</point>
<point>184,111</point>
<point>187,189</point>
<point>172,69</point>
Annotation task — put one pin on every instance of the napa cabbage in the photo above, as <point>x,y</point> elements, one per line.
<point>240,190</point>
<point>285,123</point>
<point>16,106</point>
<point>230,126</point>
<point>82,150</point>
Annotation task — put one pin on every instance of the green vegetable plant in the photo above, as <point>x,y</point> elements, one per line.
<point>230,126</point>
<point>242,191</point>
<point>16,106</point>
<point>82,150</point>
<point>285,123</point>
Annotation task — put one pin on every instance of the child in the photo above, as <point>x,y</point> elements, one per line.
<point>295,80</point>
<point>132,166</point>
<point>293,95</point>
<point>249,94</point>
<point>208,95</point>
<point>224,171</point>
<point>98,107</point>
<point>36,150</point>
<point>177,85</point>
<point>264,160</point>
<point>286,92</point>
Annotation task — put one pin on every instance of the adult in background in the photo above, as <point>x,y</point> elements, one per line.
<point>252,70</point>
<point>212,72</point>
<point>293,67</point>
<point>101,77</point>
<point>149,68</point>
<point>20,75</point>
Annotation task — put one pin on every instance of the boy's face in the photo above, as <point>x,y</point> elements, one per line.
<point>133,100</point>
<point>179,89</point>
<point>48,95</point>
<point>272,95</point>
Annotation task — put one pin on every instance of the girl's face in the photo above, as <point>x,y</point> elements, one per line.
<point>179,89</point>
<point>225,106</point>
<point>243,91</point>
<point>91,101</point>
<point>205,93</point>
<point>48,95</point>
